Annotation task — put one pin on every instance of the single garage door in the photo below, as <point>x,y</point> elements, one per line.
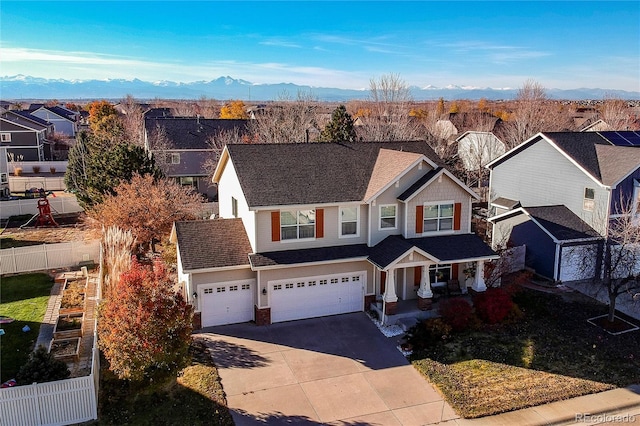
<point>227,302</point>
<point>309,297</point>
<point>578,262</point>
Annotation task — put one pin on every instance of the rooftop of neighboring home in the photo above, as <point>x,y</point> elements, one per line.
<point>27,119</point>
<point>315,173</point>
<point>190,132</point>
<point>58,110</point>
<point>607,156</point>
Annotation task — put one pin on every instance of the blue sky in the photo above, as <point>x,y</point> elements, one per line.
<point>563,45</point>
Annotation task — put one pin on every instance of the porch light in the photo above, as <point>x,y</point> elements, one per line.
<point>264,291</point>
<point>195,295</point>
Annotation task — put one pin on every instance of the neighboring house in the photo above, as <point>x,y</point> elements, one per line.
<point>309,230</point>
<point>477,149</point>
<point>64,120</point>
<point>182,147</point>
<point>25,136</point>
<point>556,193</point>
<point>456,123</point>
<point>598,125</point>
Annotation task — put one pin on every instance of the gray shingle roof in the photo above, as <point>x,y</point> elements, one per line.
<point>419,183</point>
<point>192,132</point>
<point>445,248</point>
<point>213,243</point>
<point>562,223</point>
<point>315,173</point>
<point>292,257</point>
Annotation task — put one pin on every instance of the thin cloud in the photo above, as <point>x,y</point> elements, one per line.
<point>12,54</point>
<point>280,43</point>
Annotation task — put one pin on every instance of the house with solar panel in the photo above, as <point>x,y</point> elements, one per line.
<point>309,230</point>
<point>556,194</point>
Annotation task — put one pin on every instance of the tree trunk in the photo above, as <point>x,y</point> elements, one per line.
<point>612,306</point>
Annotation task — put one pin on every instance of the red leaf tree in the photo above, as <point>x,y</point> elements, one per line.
<point>144,327</point>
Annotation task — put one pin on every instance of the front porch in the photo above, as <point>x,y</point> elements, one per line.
<point>407,312</point>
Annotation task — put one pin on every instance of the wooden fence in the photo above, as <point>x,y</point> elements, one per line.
<point>48,256</point>
<point>59,205</point>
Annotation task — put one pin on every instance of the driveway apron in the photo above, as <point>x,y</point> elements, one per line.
<point>333,370</point>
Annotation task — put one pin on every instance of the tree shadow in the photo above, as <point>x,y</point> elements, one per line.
<point>228,355</point>
<point>243,418</point>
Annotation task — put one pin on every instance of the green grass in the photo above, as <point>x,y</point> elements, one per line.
<point>550,354</point>
<point>23,298</point>
<point>195,397</point>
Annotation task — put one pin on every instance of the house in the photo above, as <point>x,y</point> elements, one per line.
<point>456,123</point>
<point>477,149</point>
<point>65,121</point>
<point>25,136</point>
<point>557,192</point>
<point>182,146</point>
<point>309,230</point>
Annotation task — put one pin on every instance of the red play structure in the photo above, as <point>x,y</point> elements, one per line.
<point>44,212</point>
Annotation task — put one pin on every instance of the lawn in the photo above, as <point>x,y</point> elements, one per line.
<point>195,397</point>
<point>549,353</point>
<point>23,298</point>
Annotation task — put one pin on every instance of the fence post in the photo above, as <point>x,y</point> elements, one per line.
<point>46,256</point>
<point>15,262</point>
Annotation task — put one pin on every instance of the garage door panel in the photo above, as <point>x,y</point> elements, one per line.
<point>227,302</point>
<point>309,297</point>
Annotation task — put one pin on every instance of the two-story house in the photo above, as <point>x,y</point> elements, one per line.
<point>309,230</point>
<point>557,192</point>
<point>182,146</point>
<point>64,120</point>
<point>25,136</point>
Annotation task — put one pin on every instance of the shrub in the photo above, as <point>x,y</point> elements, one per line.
<point>428,332</point>
<point>493,305</point>
<point>456,312</point>
<point>36,169</point>
<point>42,367</point>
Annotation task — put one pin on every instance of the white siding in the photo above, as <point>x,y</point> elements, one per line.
<point>542,176</point>
<point>228,187</point>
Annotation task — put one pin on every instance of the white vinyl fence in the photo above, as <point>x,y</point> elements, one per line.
<point>48,256</point>
<point>62,402</point>
<point>45,166</point>
<point>48,183</point>
<point>58,205</point>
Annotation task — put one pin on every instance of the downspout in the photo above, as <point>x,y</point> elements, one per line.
<point>556,265</point>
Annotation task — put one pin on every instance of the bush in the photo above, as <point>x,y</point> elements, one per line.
<point>493,305</point>
<point>456,312</point>
<point>428,332</point>
<point>42,367</point>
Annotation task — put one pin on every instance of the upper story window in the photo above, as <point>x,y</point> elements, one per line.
<point>438,217</point>
<point>188,181</point>
<point>5,137</point>
<point>234,207</point>
<point>589,199</point>
<point>297,224</point>
<point>349,221</point>
<point>173,158</point>
<point>388,216</point>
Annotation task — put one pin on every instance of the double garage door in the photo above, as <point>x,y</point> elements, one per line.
<point>227,302</point>
<point>309,297</point>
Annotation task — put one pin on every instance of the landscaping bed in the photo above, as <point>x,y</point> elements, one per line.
<point>73,297</point>
<point>65,349</point>
<point>195,397</point>
<point>545,351</point>
<point>69,325</point>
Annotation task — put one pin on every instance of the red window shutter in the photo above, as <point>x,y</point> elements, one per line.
<point>457,212</point>
<point>454,271</point>
<point>419,219</point>
<point>383,281</point>
<point>417,274</point>
<point>275,226</point>
<point>319,223</point>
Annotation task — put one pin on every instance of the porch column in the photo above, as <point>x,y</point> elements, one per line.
<point>390,298</point>
<point>424,292</point>
<point>478,280</point>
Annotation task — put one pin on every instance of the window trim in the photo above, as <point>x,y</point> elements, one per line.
<point>435,267</point>
<point>175,155</point>
<point>588,203</point>
<point>340,222</point>
<point>380,217</point>
<point>297,225</point>
<point>234,207</point>
<point>439,203</point>
<point>5,137</point>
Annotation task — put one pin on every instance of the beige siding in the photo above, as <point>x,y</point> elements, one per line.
<point>228,187</point>
<point>444,189</point>
<point>331,232</point>
<point>542,176</point>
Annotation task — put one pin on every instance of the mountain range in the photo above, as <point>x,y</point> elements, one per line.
<point>25,87</point>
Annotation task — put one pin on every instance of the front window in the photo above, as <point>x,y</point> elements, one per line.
<point>388,216</point>
<point>589,199</point>
<point>297,224</point>
<point>439,273</point>
<point>438,217</point>
<point>349,221</point>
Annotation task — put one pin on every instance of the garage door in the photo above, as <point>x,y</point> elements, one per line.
<point>309,297</point>
<point>227,302</point>
<point>577,263</point>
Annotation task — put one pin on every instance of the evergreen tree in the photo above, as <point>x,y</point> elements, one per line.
<point>340,128</point>
<point>42,367</point>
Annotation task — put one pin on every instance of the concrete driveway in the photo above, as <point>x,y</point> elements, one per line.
<point>337,370</point>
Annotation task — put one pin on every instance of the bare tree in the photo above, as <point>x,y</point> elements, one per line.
<point>217,143</point>
<point>286,120</point>
<point>386,116</point>
<point>615,112</point>
<point>208,107</point>
<point>132,120</point>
